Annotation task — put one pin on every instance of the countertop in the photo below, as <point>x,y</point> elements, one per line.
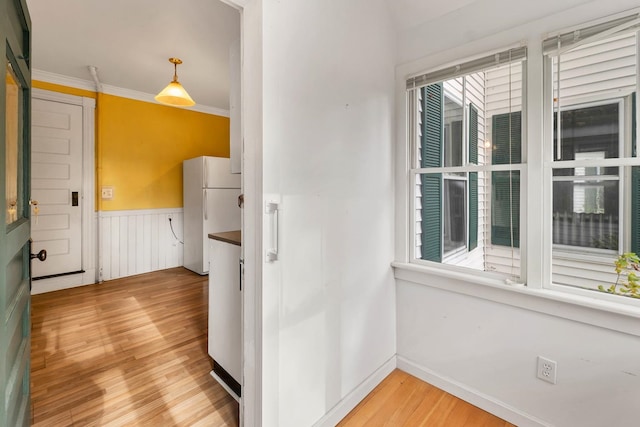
<point>233,237</point>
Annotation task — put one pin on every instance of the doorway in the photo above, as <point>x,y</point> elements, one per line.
<point>62,164</point>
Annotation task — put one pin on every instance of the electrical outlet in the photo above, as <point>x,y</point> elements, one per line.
<point>547,369</point>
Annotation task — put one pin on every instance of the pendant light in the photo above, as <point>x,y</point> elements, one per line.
<point>174,93</point>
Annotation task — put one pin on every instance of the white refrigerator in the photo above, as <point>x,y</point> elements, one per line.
<point>210,197</point>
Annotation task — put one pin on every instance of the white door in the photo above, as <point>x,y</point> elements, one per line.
<point>56,183</point>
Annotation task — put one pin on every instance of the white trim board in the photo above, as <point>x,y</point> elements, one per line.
<point>350,401</point>
<point>77,83</point>
<point>470,395</point>
<point>63,282</point>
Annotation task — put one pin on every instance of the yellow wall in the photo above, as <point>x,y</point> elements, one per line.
<point>140,147</point>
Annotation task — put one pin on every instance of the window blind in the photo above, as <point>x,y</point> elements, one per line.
<point>479,64</point>
<point>561,42</point>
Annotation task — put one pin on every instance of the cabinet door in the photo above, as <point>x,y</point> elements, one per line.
<point>225,322</point>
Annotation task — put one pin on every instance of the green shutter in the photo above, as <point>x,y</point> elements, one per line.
<point>501,155</point>
<point>473,210</point>
<point>633,125</point>
<point>432,122</point>
<point>635,185</point>
<point>505,196</point>
<point>473,178</point>
<point>473,134</point>
<point>635,209</point>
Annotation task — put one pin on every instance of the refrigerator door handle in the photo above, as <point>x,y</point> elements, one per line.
<point>205,205</point>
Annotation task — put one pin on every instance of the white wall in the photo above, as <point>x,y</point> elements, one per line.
<point>486,351</point>
<point>328,109</point>
<point>490,349</point>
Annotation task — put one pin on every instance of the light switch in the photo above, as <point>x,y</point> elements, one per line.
<point>107,193</point>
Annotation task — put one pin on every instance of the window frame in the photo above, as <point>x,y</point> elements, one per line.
<point>539,295</point>
<point>623,162</point>
<point>448,176</point>
<point>415,170</point>
<point>574,252</point>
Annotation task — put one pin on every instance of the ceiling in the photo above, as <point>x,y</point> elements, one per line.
<point>130,43</point>
<point>409,13</point>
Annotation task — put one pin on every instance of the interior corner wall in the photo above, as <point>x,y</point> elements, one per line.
<point>328,303</point>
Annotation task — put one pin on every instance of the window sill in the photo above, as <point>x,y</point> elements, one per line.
<point>593,311</point>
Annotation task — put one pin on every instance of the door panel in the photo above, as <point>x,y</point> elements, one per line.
<point>56,172</point>
<point>15,302</point>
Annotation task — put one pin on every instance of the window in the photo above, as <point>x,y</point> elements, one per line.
<point>586,211</point>
<point>467,138</point>
<point>469,161</point>
<point>594,169</point>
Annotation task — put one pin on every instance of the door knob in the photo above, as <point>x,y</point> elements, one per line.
<point>42,255</point>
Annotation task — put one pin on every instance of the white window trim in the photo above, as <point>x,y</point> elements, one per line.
<point>550,164</point>
<point>607,311</point>
<point>567,250</point>
<point>448,172</point>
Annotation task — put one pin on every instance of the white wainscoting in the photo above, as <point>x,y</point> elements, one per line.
<point>139,241</point>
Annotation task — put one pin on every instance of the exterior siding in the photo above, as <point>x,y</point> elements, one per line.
<point>603,70</point>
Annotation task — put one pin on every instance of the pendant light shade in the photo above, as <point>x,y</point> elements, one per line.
<point>174,93</point>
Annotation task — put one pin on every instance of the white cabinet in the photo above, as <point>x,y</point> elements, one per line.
<point>225,336</point>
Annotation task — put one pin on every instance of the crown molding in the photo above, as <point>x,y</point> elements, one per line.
<point>59,79</point>
<point>77,83</point>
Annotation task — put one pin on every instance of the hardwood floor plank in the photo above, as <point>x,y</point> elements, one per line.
<point>367,409</point>
<point>131,351</point>
<point>403,400</point>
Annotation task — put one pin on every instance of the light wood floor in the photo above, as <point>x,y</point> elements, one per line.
<point>131,351</point>
<point>404,400</point>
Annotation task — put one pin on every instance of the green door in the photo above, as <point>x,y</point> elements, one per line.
<point>15,298</point>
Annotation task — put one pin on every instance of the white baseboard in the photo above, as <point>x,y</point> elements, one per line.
<point>468,394</point>
<point>351,400</point>
<point>63,282</point>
